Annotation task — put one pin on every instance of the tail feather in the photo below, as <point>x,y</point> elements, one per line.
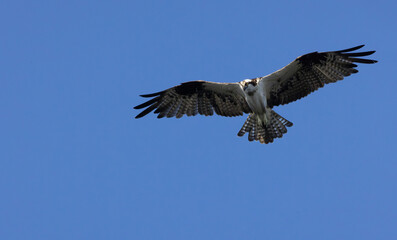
<point>264,133</point>
<point>249,126</point>
<point>277,129</point>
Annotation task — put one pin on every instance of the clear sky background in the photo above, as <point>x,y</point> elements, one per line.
<point>75,164</point>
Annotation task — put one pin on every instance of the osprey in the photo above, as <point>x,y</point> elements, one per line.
<point>257,96</point>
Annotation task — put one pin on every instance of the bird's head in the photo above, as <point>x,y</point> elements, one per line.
<point>250,86</point>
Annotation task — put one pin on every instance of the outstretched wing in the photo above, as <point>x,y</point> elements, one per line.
<point>310,72</point>
<point>190,98</point>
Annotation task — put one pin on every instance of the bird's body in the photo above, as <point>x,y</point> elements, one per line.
<point>257,96</point>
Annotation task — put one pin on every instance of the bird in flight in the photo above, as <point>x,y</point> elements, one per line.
<point>257,96</point>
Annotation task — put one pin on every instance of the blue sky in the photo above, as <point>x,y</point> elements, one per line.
<point>75,164</point>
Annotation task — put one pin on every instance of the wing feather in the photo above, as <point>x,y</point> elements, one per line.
<point>196,97</point>
<point>310,72</point>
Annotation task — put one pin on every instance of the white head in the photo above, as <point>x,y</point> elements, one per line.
<point>250,86</point>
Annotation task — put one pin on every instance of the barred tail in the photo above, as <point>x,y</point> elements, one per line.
<point>264,133</point>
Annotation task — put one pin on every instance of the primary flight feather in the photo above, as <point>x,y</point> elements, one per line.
<point>257,96</point>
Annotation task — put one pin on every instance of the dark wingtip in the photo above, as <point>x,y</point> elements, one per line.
<point>147,110</point>
<point>361,60</point>
<point>151,104</point>
<point>151,94</point>
<point>140,114</point>
<point>359,54</point>
<point>148,103</point>
<point>350,49</point>
<point>347,53</point>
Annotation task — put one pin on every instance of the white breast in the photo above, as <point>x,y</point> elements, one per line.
<point>256,99</point>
